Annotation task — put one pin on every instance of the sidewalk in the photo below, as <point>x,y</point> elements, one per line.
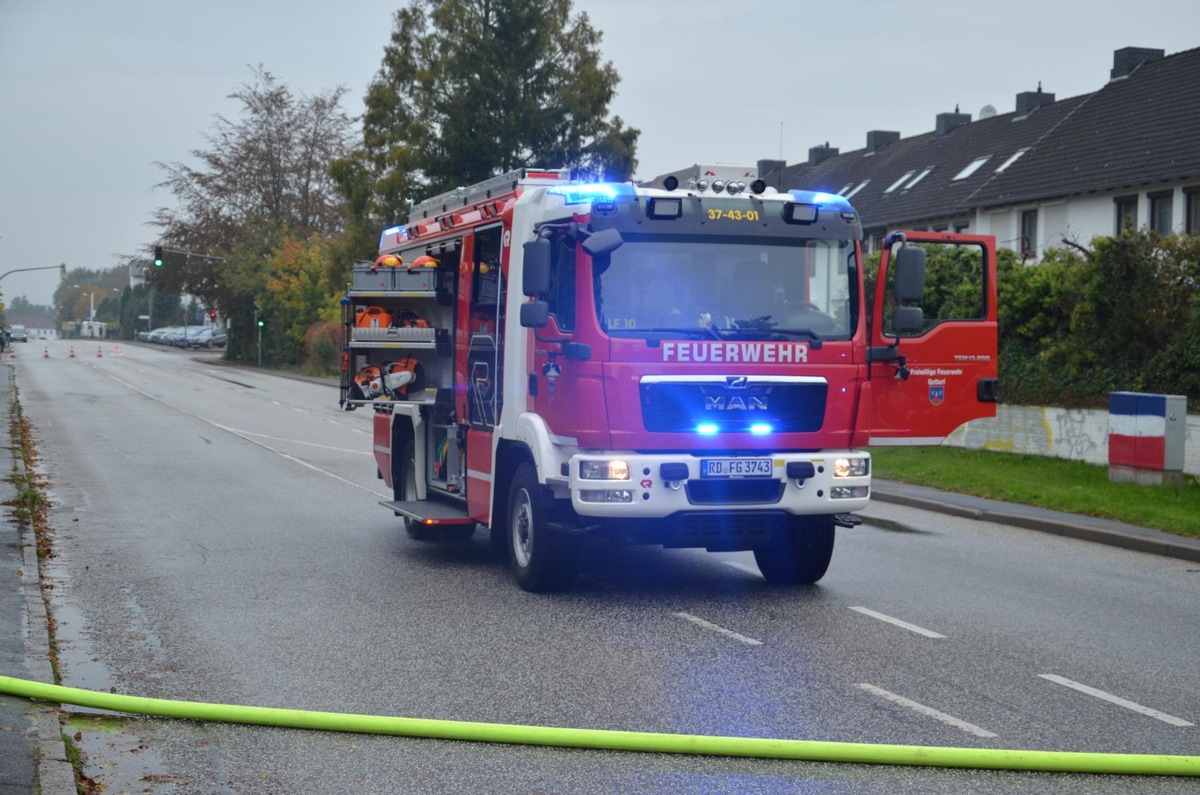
<point>32,752</point>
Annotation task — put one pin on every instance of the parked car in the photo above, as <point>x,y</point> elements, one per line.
<point>184,337</point>
<point>208,337</point>
<point>17,333</point>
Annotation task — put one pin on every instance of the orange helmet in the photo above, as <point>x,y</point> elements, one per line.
<point>424,261</point>
<point>387,261</point>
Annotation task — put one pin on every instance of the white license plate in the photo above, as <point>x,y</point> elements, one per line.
<point>735,468</point>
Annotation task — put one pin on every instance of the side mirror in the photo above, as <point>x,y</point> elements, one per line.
<point>535,314</point>
<point>910,275</point>
<point>535,279</point>
<point>908,319</point>
<point>603,242</point>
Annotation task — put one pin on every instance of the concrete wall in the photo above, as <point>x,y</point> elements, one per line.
<point>1076,434</point>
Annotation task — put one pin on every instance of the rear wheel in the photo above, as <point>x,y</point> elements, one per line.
<point>541,560</point>
<point>799,554</point>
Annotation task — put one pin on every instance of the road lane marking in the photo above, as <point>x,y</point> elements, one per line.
<point>295,441</point>
<point>244,437</point>
<point>949,720</point>
<point>897,622</point>
<point>1121,702</point>
<point>729,633</point>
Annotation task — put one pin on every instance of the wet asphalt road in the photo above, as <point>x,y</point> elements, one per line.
<point>218,539</point>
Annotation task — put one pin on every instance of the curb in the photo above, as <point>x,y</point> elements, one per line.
<point>1129,537</point>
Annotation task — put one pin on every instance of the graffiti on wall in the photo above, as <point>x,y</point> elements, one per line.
<point>1076,434</point>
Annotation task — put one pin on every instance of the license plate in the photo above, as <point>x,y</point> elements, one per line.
<point>735,468</point>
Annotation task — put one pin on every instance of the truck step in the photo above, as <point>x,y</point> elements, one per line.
<point>430,512</point>
<point>846,520</point>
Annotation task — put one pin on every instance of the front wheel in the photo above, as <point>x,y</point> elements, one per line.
<point>799,553</point>
<point>540,559</point>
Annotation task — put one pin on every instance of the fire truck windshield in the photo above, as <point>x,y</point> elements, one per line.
<point>728,288</point>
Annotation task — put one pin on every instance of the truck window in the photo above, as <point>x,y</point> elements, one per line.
<point>562,283</point>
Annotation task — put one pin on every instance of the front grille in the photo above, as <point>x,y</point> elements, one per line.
<point>684,406</point>
<point>723,531</point>
<point>734,492</point>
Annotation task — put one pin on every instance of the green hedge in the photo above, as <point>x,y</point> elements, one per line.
<point>1122,315</point>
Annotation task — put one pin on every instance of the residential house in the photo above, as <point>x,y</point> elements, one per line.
<point>1051,172</point>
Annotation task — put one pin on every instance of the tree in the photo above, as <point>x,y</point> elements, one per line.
<point>473,88</point>
<point>264,176</point>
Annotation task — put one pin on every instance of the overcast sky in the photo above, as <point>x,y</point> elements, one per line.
<point>93,93</point>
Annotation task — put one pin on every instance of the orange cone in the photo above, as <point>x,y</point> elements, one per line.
<point>72,356</point>
<point>46,352</point>
<point>99,353</point>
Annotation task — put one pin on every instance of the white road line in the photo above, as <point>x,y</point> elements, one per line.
<point>744,567</point>
<point>1109,697</point>
<point>729,633</point>
<point>897,622</point>
<point>295,441</point>
<point>244,436</point>
<point>949,720</point>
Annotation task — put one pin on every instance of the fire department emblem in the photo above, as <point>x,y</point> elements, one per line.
<point>937,394</point>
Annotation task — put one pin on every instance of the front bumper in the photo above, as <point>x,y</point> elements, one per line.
<point>657,487</point>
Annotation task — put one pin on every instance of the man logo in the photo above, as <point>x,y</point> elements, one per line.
<point>737,382</point>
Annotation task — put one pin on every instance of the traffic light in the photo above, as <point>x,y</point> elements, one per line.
<point>158,256</point>
<point>212,314</point>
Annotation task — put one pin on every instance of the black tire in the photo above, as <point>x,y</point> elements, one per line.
<point>800,553</point>
<point>540,559</point>
<point>404,488</point>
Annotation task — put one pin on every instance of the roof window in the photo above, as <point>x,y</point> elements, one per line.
<point>861,185</point>
<point>971,168</point>
<point>919,177</point>
<point>1012,159</point>
<point>900,181</point>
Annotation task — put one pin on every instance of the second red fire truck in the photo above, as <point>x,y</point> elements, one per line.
<point>690,366</point>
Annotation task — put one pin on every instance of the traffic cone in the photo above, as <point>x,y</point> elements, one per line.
<point>72,356</point>
<point>116,351</point>
<point>99,353</point>
<point>46,352</point>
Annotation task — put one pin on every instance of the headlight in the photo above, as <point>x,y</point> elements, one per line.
<point>604,470</point>
<point>851,467</point>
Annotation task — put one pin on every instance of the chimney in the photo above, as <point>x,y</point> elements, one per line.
<point>1126,59</point>
<point>819,154</point>
<point>1028,101</point>
<point>767,167</point>
<point>948,121</point>
<point>877,139</point>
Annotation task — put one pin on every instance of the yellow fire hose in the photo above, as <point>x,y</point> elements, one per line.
<point>761,748</point>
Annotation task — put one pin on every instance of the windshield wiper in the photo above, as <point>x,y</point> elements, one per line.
<point>691,331</point>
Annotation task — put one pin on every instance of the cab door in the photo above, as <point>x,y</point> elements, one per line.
<point>932,357</point>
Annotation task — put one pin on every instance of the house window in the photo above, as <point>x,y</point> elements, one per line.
<point>1193,212</point>
<point>1029,219</point>
<point>1126,213</point>
<point>1160,212</point>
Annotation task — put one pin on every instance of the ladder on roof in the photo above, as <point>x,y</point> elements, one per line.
<point>480,191</point>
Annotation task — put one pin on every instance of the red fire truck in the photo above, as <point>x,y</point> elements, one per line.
<point>689,366</point>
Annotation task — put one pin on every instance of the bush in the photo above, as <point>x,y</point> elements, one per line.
<point>322,348</point>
